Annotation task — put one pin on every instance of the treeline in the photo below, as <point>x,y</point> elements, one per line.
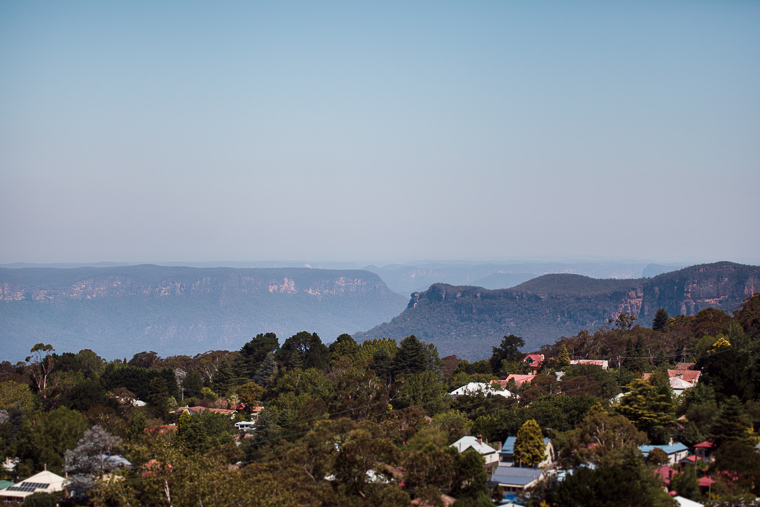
<point>372,423</point>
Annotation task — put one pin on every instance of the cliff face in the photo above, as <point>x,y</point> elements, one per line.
<point>468,321</point>
<point>123,310</point>
<point>84,284</point>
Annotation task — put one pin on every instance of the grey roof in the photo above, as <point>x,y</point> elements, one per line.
<point>515,476</point>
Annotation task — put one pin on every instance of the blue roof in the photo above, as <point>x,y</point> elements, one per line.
<point>669,449</point>
<point>509,445</point>
<point>515,476</point>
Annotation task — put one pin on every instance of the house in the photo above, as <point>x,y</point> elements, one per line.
<point>678,386</point>
<point>515,480</point>
<point>474,388</point>
<point>519,380</point>
<point>199,409</point>
<point>685,502</point>
<point>43,482</point>
<point>686,366</point>
<point>691,376</point>
<point>675,451</point>
<point>490,455</point>
<point>704,450</point>
<point>534,362</point>
<point>602,363</point>
<point>507,454</point>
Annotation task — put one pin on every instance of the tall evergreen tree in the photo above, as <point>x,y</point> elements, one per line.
<point>530,449</point>
<point>660,320</point>
<point>733,424</point>
<point>253,354</point>
<point>509,351</point>
<point>224,378</point>
<point>266,371</point>
<point>649,410</point>
<point>411,357</point>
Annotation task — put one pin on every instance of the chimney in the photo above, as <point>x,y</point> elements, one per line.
<point>480,439</point>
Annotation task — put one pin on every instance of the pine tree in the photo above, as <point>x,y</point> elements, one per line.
<point>411,357</point>
<point>530,449</point>
<point>661,319</point>
<point>266,371</point>
<point>733,423</point>
<point>649,409</point>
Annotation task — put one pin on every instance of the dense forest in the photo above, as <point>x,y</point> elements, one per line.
<point>372,423</point>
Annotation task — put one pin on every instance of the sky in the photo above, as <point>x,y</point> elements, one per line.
<point>379,131</point>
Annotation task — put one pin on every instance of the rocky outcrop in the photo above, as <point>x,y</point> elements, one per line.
<point>467,321</point>
<point>124,310</point>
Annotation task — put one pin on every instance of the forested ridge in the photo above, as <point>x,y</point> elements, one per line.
<point>467,320</point>
<point>372,423</point>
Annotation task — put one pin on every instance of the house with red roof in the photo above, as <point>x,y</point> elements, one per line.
<point>602,363</point>
<point>534,362</point>
<point>199,409</point>
<point>690,376</point>
<point>519,380</point>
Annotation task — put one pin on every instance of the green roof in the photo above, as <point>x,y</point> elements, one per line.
<point>6,484</point>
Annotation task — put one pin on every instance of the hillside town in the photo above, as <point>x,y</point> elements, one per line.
<point>630,415</point>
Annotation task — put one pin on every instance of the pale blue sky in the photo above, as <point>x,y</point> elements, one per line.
<point>385,131</point>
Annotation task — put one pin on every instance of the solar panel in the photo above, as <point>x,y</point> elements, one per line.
<point>28,487</point>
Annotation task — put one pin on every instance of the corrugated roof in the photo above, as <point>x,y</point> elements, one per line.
<point>515,476</point>
<point>465,443</point>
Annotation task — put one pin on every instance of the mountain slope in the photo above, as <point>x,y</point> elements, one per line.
<point>468,321</point>
<point>118,311</point>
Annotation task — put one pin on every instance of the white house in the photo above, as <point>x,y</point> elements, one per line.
<point>474,388</point>
<point>43,482</point>
<point>490,455</point>
<point>675,451</point>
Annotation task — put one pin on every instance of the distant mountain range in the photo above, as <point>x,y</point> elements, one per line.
<point>408,278</point>
<point>120,310</point>
<point>468,321</point>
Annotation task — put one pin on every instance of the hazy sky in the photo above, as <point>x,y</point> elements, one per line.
<point>201,131</point>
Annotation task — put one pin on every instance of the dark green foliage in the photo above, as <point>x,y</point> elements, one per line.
<point>740,460</point>
<point>266,370</point>
<point>253,354</point>
<point>630,483</point>
<point>192,385</point>
<point>85,395</point>
<point>206,431</point>
<point>411,357</point>
<point>304,350</point>
<point>343,346</point>
<point>158,398</point>
<point>136,426</point>
<point>686,483</point>
<point>661,319</point>
<point>137,380</point>
<point>733,424</point>
<point>40,500</point>
<point>470,476</point>
<point>382,365</point>
<point>224,379</point>
<point>649,409</point>
<point>509,350</point>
